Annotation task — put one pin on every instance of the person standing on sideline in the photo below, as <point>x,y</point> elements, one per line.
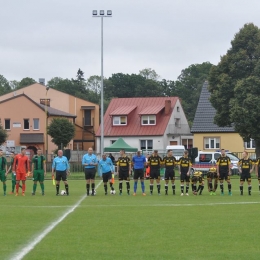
<point>184,169</point>
<point>106,169</point>
<point>223,171</point>
<point>38,170</point>
<point>139,162</point>
<point>21,166</point>
<point>155,164</point>
<point>245,168</point>
<point>169,163</point>
<point>61,165</point>
<point>3,170</point>
<point>89,161</point>
<point>124,170</point>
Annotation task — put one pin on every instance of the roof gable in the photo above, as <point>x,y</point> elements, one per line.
<point>134,127</point>
<point>205,113</point>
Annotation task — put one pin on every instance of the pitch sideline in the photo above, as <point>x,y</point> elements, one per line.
<point>30,246</point>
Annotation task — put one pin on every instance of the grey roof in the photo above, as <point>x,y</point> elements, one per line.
<point>31,138</point>
<point>56,112</point>
<point>205,113</point>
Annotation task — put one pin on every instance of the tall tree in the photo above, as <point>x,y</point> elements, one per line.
<point>53,82</point>
<point>26,82</point>
<point>61,131</point>
<point>14,84</point>
<point>149,73</point>
<point>4,86</point>
<point>94,83</point>
<point>235,83</point>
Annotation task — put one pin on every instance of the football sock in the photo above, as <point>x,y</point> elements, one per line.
<point>142,185</point>
<point>67,188</point>
<point>13,185</point>
<point>87,187</point>
<point>215,187</point>
<point>93,187</point>
<point>158,188</point>
<point>57,188</point>
<point>111,186</point>
<point>166,188</point>
<point>194,187</point>
<point>259,186</point>
<point>4,187</point>
<point>17,187</point>
<point>34,187</point>
<point>105,188</point>
<point>182,188</point>
<point>120,187</point>
<point>201,189</point>
<point>241,189</point>
<point>187,188</point>
<point>210,186</point>
<point>221,187</point>
<point>229,187</point>
<point>128,186</point>
<point>42,187</point>
<point>135,186</point>
<point>151,188</point>
<point>23,187</point>
<point>249,189</point>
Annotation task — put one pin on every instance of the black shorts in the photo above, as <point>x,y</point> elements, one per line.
<point>212,175</point>
<point>107,176</point>
<point>61,175</point>
<point>245,176</point>
<point>169,174</point>
<point>123,175</point>
<point>196,179</point>
<point>155,173</point>
<point>138,173</point>
<point>224,176</point>
<point>90,173</point>
<point>185,177</point>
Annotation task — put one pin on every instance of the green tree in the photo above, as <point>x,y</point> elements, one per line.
<point>53,82</point>
<point>4,86</point>
<point>235,85</point>
<point>148,73</point>
<point>26,82</point>
<point>61,131</point>
<point>94,83</point>
<point>3,135</point>
<point>14,84</point>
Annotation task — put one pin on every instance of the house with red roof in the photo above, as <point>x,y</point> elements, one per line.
<point>146,123</point>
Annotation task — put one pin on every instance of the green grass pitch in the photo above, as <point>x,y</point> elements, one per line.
<point>127,227</point>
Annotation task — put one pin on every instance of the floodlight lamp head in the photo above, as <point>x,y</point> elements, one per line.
<point>94,12</point>
<point>101,12</point>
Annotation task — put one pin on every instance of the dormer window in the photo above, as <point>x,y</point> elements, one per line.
<point>119,120</point>
<point>148,119</point>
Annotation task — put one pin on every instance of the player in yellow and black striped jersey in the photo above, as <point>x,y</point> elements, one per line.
<point>155,162</point>
<point>197,177</point>
<point>212,175</point>
<point>223,171</point>
<point>184,169</point>
<point>169,162</point>
<point>245,167</point>
<point>124,169</point>
<point>257,170</point>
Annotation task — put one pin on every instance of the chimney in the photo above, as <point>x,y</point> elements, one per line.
<point>167,107</point>
<point>42,81</point>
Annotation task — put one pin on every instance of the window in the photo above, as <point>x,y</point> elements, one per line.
<point>178,109</point>
<point>119,120</point>
<point>146,144</point>
<point>36,125</point>
<point>211,142</point>
<point>149,120</point>
<point>45,101</point>
<point>112,141</point>
<point>26,124</point>
<point>7,124</point>
<point>250,144</point>
<point>204,157</point>
<point>177,122</point>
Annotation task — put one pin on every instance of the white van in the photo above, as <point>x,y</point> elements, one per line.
<point>205,160</point>
<point>177,150</point>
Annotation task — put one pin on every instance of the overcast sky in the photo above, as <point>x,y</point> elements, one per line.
<point>49,38</point>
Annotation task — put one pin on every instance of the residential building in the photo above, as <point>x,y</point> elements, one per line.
<point>146,123</point>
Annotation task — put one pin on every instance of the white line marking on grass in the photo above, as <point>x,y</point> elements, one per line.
<point>30,246</point>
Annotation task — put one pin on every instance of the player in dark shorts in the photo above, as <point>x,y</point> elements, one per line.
<point>224,171</point>
<point>169,163</point>
<point>124,169</point>
<point>154,162</point>
<point>245,167</point>
<point>197,177</point>
<point>184,169</point>
<point>257,171</point>
<point>212,175</point>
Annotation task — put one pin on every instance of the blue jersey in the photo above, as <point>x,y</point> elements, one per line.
<point>60,163</point>
<point>139,161</point>
<point>105,166</point>
<point>87,159</point>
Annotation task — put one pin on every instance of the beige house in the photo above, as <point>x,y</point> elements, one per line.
<point>21,109</point>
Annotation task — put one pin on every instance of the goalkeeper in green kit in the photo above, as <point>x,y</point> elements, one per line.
<point>38,170</point>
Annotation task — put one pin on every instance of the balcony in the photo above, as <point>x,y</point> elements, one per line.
<point>182,129</point>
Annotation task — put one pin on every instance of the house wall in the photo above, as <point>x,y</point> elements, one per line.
<point>229,141</point>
